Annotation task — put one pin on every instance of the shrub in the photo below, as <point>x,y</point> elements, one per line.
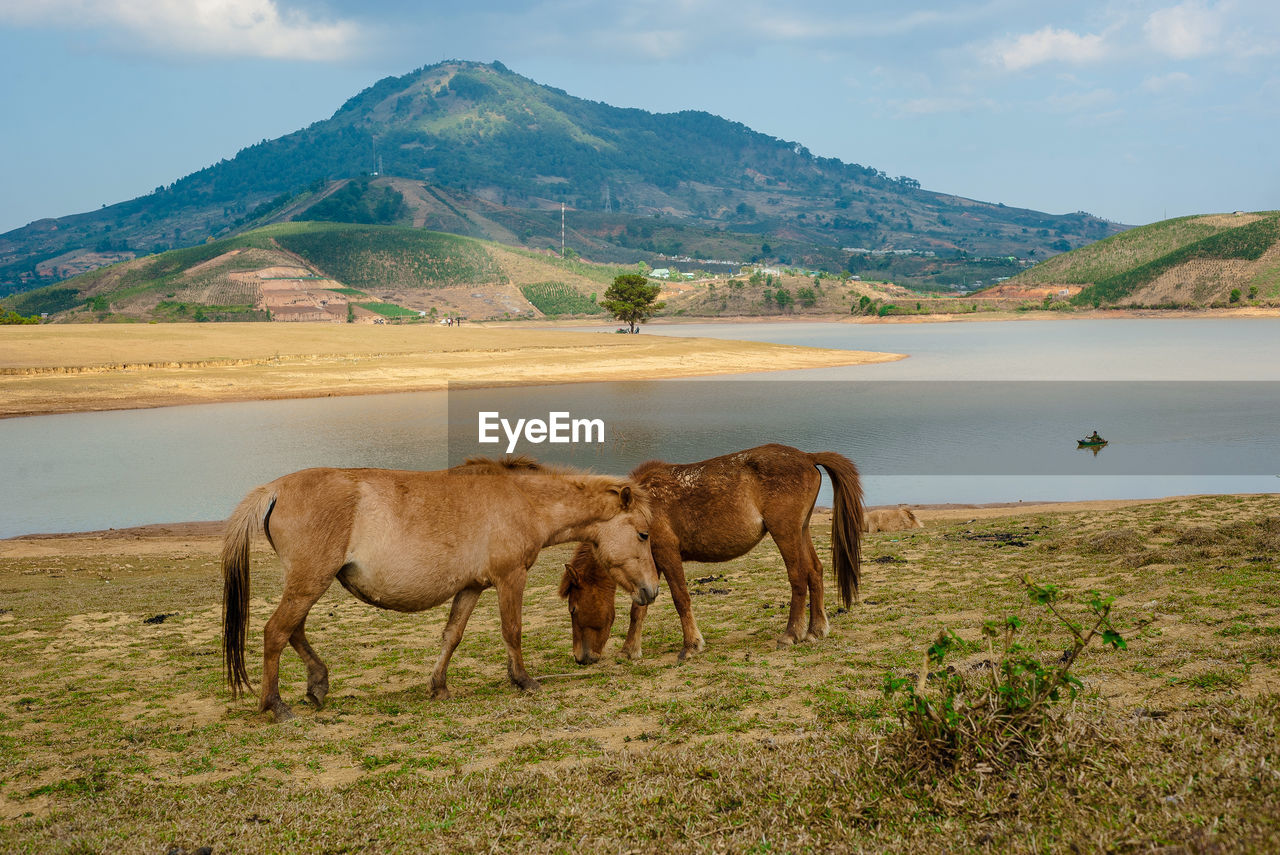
<point>1004,716</point>
<point>8,316</point>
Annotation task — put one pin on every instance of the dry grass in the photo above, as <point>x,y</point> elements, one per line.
<point>118,733</point>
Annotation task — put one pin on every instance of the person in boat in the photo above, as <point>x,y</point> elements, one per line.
<point>1093,437</point>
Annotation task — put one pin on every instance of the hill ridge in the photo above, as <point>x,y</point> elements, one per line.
<point>501,144</point>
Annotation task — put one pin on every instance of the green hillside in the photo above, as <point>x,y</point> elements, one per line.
<point>1188,261</point>
<point>500,153</point>
<point>389,271</point>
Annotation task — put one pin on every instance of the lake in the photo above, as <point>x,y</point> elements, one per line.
<point>981,412</point>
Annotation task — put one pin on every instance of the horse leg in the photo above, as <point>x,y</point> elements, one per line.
<point>510,606</point>
<point>631,647</point>
<point>317,672</point>
<point>819,626</point>
<point>673,569</point>
<point>289,617</point>
<point>463,602</point>
<point>795,557</point>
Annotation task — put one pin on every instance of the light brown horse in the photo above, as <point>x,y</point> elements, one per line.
<point>718,510</point>
<point>900,518</point>
<point>409,541</point>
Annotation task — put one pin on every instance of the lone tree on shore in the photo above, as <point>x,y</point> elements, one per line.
<point>632,299</point>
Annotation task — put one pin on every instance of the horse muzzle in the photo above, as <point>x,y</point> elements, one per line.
<point>644,595</point>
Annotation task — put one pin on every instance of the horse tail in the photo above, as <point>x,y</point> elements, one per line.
<point>846,521</point>
<point>250,517</point>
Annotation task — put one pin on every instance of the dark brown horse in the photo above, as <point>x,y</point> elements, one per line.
<point>718,510</point>
<point>409,541</point>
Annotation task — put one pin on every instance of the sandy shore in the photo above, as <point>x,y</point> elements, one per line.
<point>66,368</point>
<point>206,537</point>
<point>958,317</point>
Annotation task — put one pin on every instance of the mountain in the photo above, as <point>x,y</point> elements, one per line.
<point>495,154</point>
<point>1188,262</point>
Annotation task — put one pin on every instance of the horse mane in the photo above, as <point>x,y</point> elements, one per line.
<point>510,463</point>
<point>582,569</point>
<point>523,464</point>
<point>649,466</point>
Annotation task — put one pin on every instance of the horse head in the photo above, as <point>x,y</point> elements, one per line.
<point>620,542</point>
<point>590,595</point>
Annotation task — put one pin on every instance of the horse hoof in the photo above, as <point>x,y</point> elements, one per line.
<point>690,650</point>
<point>439,693</point>
<point>785,642</point>
<point>282,714</point>
<point>531,686</point>
<point>317,697</point>
<point>632,653</point>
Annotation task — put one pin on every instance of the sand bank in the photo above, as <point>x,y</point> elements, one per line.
<point>68,368</point>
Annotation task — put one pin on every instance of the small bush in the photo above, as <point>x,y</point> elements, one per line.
<point>1003,717</point>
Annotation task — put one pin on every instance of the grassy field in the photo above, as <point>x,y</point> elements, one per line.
<point>118,733</point>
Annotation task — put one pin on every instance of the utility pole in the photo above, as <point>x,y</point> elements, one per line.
<point>562,229</point>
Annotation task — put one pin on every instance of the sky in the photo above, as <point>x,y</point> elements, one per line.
<point>1133,111</point>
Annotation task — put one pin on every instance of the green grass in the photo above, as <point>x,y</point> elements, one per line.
<point>118,734</point>
<point>389,310</point>
<point>559,298</point>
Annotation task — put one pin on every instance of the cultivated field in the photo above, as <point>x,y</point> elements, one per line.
<point>119,735</point>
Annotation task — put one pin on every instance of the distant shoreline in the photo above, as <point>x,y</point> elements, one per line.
<point>65,368</point>
<point>968,317</point>
<point>159,536</point>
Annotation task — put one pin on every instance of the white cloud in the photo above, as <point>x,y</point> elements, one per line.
<point>1050,45</point>
<point>259,28</point>
<point>1188,30</point>
<point>1076,102</point>
<point>934,106</point>
<point>1174,81</point>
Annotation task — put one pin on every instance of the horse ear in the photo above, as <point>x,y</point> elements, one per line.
<point>567,581</point>
<point>624,494</point>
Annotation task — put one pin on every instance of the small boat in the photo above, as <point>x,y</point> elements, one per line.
<point>1091,443</point>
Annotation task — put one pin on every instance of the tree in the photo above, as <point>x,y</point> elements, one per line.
<point>632,300</point>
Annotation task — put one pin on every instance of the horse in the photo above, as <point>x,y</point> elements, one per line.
<point>409,540</point>
<point>900,518</point>
<point>718,510</point>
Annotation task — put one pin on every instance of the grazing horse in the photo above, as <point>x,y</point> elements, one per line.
<point>718,510</point>
<point>900,518</point>
<point>409,541</point>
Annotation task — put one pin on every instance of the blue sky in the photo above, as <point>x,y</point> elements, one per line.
<point>1133,111</point>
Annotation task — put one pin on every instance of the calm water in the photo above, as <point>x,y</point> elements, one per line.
<point>980,412</point>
